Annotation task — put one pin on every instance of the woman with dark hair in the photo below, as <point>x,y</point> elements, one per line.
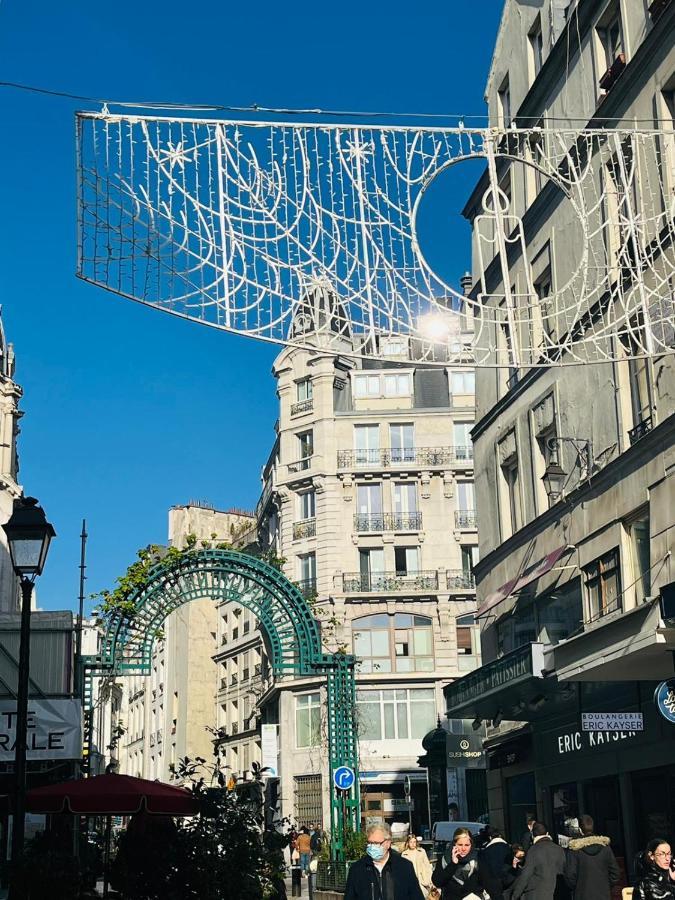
<point>458,872</point>
<point>657,881</point>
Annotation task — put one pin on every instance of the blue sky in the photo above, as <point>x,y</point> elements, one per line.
<point>127,410</point>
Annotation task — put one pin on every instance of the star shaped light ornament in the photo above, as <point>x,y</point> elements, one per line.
<point>176,155</point>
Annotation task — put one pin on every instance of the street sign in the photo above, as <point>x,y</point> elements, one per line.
<point>612,721</point>
<point>664,697</point>
<point>344,778</point>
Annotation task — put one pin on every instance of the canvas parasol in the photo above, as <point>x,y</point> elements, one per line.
<point>111,795</point>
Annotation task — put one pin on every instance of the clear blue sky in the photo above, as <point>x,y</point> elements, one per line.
<point>127,410</point>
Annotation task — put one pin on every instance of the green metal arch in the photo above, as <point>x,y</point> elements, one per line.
<point>292,633</point>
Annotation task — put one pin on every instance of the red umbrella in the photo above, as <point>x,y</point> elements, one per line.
<point>112,795</point>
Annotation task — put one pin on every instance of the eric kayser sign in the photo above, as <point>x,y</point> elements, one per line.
<point>612,721</point>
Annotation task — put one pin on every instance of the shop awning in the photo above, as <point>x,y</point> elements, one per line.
<point>520,581</point>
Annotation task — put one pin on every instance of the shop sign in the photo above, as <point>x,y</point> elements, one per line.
<point>395,805</point>
<point>582,741</point>
<point>664,697</point>
<point>465,750</point>
<point>269,750</point>
<point>612,721</point>
<point>523,663</point>
<point>54,729</point>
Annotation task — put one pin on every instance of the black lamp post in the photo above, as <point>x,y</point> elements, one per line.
<point>555,478</point>
<point>29,535</point>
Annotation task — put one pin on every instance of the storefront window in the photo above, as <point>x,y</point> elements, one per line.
<point>565,802</point>
<point>395,714</point>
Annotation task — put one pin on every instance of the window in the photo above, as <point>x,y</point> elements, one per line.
<point>639,381</point>
<point>305,444</point>
<point>542,318</point>
<point>371,565</point>
<point>407,560</point>
<point>610,36</point>
<point>469,557</point>
<point>516,629</point>
<point>307,570</point>
<point>307,502</point>
<point>369,500</point>
<point>603,585</point>
<point>393,346</point>
<point>308,720</point>
<point>367,444</point>
<point>665,111</point>
<point>461,436</point>
<point>402,439</point>
<point>463,382</point>
<point>465,628</point>
<point>560,613</point>
<point>398,385</point>
<point>504,101</point>
<point>465,496</point>
<point>638,532</point>
<point>395,714</point>
<point>536,42</point>
<point>304,390</point>
<point>511,480</point>
<point>405,498</point>
<point>409,636</point>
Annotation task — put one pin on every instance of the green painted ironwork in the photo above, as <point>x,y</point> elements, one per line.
<point>291,633</point>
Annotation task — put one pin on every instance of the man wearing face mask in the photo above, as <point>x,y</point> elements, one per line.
<point>382,874</point>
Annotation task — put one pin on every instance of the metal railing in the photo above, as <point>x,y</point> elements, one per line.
<point>641,429</point>
<point>331,875</point>
<point>265,497</point>
<point>302,406</point>
<point>304,529</point>
<point>465,518</point>
<point>415,456</point>
<point>613,607</point>
<point>459,579</point>
<point>365,583</point>
<point>388,521</point>
<point>300,465</point>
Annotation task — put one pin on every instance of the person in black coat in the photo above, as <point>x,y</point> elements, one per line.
<point>381,874</point>
<point>496,858</point>
<point>526,839</point>
<point>543,869</point>
<point>591,869</point>
<point>459,872</point>
<point>657,881</point>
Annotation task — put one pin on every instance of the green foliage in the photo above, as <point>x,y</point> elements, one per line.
<point>224,852</point>
<point>49,868</point>
<point>354,845</point>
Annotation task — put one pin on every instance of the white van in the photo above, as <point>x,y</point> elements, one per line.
<point>442,833</point>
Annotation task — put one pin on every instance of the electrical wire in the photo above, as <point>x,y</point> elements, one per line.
<point>271,110</point>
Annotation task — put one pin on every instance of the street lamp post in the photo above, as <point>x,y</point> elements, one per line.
<point>555,477</point>
<point>29,535</point>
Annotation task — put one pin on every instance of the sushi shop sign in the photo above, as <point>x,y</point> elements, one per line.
<point>54,729</point>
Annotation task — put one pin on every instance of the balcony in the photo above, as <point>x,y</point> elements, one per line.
<point>641,429</point>
<point>265,498</point>
<point>302,406</point>
<point>304,529</point>
<point>460,580</point>
<point>387,522</point>
<point>307,587</point>
<point>411,457</point>
<point>300,465</point>
<point>466,518</point>
<point>377,582</point>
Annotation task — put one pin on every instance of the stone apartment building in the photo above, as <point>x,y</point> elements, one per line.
<point>166,714</point>
<point>368,498</point>
<point>570,581</point>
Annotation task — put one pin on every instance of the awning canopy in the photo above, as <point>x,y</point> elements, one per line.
<point>522,580</point>
<point>115,795</point>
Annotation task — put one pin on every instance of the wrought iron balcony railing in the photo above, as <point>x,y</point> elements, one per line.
<point>641,429</point>
<point>411,521</point>
<point>302,406</point>
<point>413,456</point>
<point>300,465</point>
<point>377,582</point>
<point>304,529</point>
<point>459,580</point>
<point>465,518</point>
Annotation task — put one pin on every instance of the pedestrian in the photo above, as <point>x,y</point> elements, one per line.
<point>543,869</point>
<point>315,840</point>
<point>496,857</point>
<point>453,812</point>
<point>591,869</point>
<point>526,840</point>
<point>420,863</point>
<point>513,871</point>
<point>303,844</point>
<point>458,872</point>
<point>658,879</point>
<point>381,874</point>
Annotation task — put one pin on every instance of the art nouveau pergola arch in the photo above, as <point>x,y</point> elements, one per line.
<point>291,633</point>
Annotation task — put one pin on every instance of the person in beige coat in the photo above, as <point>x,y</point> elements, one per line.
<point>418,857</point>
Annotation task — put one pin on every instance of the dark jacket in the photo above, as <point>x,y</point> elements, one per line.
<point>655,884</point>
<point>496,859</point>
<point>452,889</point>
<point>591,869</point>
<point>544,865</point>
<point>397,881</point>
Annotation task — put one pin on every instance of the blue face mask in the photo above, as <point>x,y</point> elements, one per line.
<point>375,852</point>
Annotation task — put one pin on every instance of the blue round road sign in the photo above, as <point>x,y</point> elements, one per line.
<point>344,778</point>
<point>664,697</point>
